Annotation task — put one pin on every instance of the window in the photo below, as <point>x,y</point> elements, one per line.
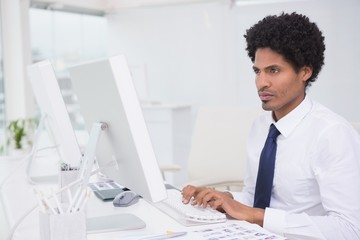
<point>67,39</point>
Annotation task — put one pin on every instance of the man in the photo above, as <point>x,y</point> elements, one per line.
<point>315,188</point>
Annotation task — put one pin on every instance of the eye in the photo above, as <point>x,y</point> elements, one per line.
<point>256,70</point>
<point>274,70</point>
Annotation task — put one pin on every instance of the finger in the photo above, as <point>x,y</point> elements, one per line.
<point>209,197</point>
<point>194,202</point>
<point>186,198</point>
<point>204,196</point>
<point>188,192</point>
<point>216,203</point>
<point>198,199</point>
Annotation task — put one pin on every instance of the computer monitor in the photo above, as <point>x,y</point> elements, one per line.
<point>106,94</point>
<point>54,115</point>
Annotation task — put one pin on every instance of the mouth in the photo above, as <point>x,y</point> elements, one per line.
<point>265,96</point>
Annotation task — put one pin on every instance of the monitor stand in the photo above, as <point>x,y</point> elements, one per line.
<point>106,223</point>
<point>46,170</point>
<point>111,223</point>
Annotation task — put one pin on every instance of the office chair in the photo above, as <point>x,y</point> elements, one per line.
<point>218,150</point>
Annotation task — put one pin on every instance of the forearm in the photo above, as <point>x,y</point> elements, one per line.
<point>258,216</point>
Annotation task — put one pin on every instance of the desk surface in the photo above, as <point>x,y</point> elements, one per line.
<point>156,221</point>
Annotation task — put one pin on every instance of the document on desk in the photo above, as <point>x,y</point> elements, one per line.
<point>232,230</point>
<point>235,230</point>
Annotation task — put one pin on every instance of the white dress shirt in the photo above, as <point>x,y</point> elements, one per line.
<point>316,188</point>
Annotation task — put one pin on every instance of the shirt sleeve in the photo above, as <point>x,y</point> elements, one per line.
<point>292,226</point>
<point>243,197</point>
<point>336,165</point>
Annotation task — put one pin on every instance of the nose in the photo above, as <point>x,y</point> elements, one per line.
<point>262,80</point>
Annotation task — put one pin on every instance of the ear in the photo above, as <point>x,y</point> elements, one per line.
<point>306,73</point>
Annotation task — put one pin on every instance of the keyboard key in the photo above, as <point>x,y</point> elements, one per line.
<point>188,214</point>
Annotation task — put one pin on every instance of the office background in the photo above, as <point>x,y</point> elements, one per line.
<point>180,52</point>
<point>183,52</point>
<point>196,53</point>
<point>186,52</point>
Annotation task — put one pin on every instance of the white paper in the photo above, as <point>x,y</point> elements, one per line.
<point>238,230</point>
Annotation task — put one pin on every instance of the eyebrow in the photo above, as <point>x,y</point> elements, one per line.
<point>268,67</point>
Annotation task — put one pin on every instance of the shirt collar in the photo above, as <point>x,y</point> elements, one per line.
<point>288,123</point>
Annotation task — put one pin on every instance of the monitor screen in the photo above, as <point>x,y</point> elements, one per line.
<point>53,112</point>
<point>106,94</point>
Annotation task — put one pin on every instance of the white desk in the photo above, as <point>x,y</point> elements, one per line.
<point>17,198</point>
<point>156,223</point>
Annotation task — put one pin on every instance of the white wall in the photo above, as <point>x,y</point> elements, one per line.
<point>195,53</point>
<point>338,82</point>
<point>186,49</point>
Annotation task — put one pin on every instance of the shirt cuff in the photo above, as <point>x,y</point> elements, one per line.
<point>274,221</point>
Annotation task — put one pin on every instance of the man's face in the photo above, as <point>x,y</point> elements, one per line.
<point>279,86</point>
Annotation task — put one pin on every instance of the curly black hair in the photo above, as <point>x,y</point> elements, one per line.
<point>293,36</point>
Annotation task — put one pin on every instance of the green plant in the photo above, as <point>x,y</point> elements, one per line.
<point>19,129</point>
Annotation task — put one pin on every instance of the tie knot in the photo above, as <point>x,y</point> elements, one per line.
<point>273,132</point>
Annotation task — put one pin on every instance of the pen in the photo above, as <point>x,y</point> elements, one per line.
<point>69,194</point>
<point>57,203</point>
<point>165,236</point>
<point>85,201</point>
<point>48,205</point>
<point>74,199</point>
<point>80,199</point>
<point>40,201</point>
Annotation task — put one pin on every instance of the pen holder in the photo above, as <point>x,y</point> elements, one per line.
<point>67,177</point>
<point>67,226</point>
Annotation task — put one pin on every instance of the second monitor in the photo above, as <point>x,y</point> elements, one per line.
<point>106,94</point>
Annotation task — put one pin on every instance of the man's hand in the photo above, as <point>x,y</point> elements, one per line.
<point>222,201</point>
<point>203,196</point>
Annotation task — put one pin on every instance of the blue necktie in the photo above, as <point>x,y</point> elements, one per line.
<point>264,181</point>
